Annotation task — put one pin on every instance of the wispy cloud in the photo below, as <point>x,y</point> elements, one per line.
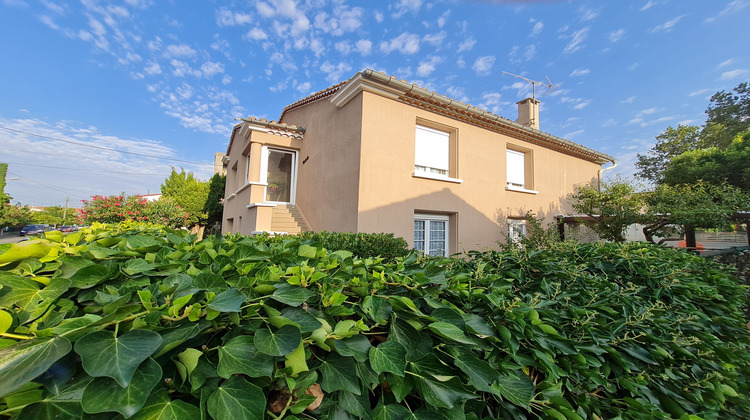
<point>483,65</point>
<point>226,17</point>
<point>407,6</point>
<point>700,92</point>
<point>580,72</point>
<point>537,28</point>
<point>426,67</point>
<point>577,39</point>
<point>617,35</point>
<point>668,25</point>
<point>734,74</point>
<point>406,43</point>
<point>733,7</point>
<point>648,5</point>
<point>466,45</point>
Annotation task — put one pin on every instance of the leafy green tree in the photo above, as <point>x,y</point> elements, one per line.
<point>4,198</point>
<point>189,193</point>
<point>610,208</point>
<point>214,207</point>
<point>121,208</point>
<point>14,215</point>
<point>728,115</point>
<point>691,206</point>
<point>713,165</point>
<point>671,143</point>
<point>52,215</point>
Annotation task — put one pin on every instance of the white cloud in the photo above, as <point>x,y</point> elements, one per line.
<point>578,38</point>
<point>153,68</point>
<point>628,100</point>
<point>583,104</point>
<point>343,20</point>
<point>179,51</point>
<point>580,72</point>
<point>483,65</point>
<point>53,7</point>
<point>492,101</point>
<point>264,9</point>
<point>435,39</point>
<point>610,122</point>
<point>210,68</point>
<point>648,5</point>
<point>343,47</point>
<point>573,134</point>
<point>667,26</point>
<point>700,92</point>
<point>304,87</point>
<point>588,14</point>
<point>466,45</point>
<point>443,18</point>
<point>406,6</point>
<point>379,17</point>
<point>426,67</point>
<point>182,69</point>
<point>405,43</point>
<point>458,93</point>
<point>364,46</point>
<point>335,72</point>
<point>537,28</point>
<point>256,34</point>
<point>617,35</point>
<point>726,63</point>
<point>317,47</point>
<point>226,80</point>
<point>226,17</point>
<point>518,55</point>
<point>734,74</point>
<point>732,8</point>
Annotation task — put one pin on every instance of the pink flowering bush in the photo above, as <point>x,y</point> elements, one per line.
<point>122,208</point>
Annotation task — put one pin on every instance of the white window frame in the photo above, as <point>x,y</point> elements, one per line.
<point>427,218</point>
<point>516,230</point>
<point>513,155</point>
<point>433,172</point>
<point>265,151</point>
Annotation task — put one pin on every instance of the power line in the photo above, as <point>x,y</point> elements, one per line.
<point>54,187</point>
<point>77,169</point>
<point>101,147</point>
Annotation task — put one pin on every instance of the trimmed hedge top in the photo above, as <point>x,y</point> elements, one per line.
<point>155,325</point>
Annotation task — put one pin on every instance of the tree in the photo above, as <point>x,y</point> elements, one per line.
<point>691,206</point>
<point>214,207</point>
<point>14,215</point>
<point>671,143</point>
<point>121,208</point>
<point>713,165</point>
<point>728,115</point>
<point>4,198</point>
<point>188,193</point>
<point>52,215</point>
<point>610,208</point>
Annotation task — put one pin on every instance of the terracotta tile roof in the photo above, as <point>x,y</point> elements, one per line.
<point>314,97</point>
<point>271,127</point>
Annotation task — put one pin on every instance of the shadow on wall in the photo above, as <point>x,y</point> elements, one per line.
<point>469,228</point>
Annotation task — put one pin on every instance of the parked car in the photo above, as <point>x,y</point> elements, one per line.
<point>35,229</point>
<point>67,228</point>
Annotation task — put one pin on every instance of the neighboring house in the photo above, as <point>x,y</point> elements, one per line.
<point>377,154</point>
<point>151,197</point>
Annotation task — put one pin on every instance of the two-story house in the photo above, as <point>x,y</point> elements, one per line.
<point>377,154</point>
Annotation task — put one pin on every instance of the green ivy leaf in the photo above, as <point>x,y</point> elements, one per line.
<point>358,405</point>
<point>279,343</point>
<point>35,248</point>
<point>228,301</point>
<point>237,399</point>
<point>89,276</point>
<point>450,331</point>
<point>210,282</point>
<point>173,337</point>
<point>103,354</point>
<point>481,374</point>
<point>388,357</point>
<point>416,344</point>
<point>24,361</point>
<point>442,394</point>
<point>339,374</point>
<point>516,388</point>
<point>160,407</point>
<point>292,295</point>
<point>377,308</point>
<point>105,394</point>
<point>357,346</point>
<point>65,405</point>
<point>307,251</point>
<point>32,300</point>
<point>136,266</point>
<point>239,355</point>
<point>390,412</point>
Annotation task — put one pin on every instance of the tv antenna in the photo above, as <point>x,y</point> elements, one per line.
<point>549,84</point>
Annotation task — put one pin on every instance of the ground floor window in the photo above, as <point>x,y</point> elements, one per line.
<point>431,234</point>
<point>516,230</point>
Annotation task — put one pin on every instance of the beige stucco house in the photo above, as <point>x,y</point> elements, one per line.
<point>377,154</point>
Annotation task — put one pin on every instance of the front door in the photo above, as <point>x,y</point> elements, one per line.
<point>280,172</point>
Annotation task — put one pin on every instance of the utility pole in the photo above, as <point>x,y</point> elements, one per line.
<point>65,211</point>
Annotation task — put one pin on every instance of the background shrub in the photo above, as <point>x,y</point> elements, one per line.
<point>362,245</point>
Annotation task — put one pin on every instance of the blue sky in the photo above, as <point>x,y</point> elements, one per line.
<point>168,78</point>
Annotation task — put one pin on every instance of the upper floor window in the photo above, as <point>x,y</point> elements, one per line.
<point>432,151</point>
<point>516,168</point>
<point>519,170</point>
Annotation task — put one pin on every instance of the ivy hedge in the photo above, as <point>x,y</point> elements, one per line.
<point>152,324</point>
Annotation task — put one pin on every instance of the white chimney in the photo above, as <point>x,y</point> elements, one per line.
<point>528,113</point>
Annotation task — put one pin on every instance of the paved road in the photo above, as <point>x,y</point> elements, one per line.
<point>10,238</point>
